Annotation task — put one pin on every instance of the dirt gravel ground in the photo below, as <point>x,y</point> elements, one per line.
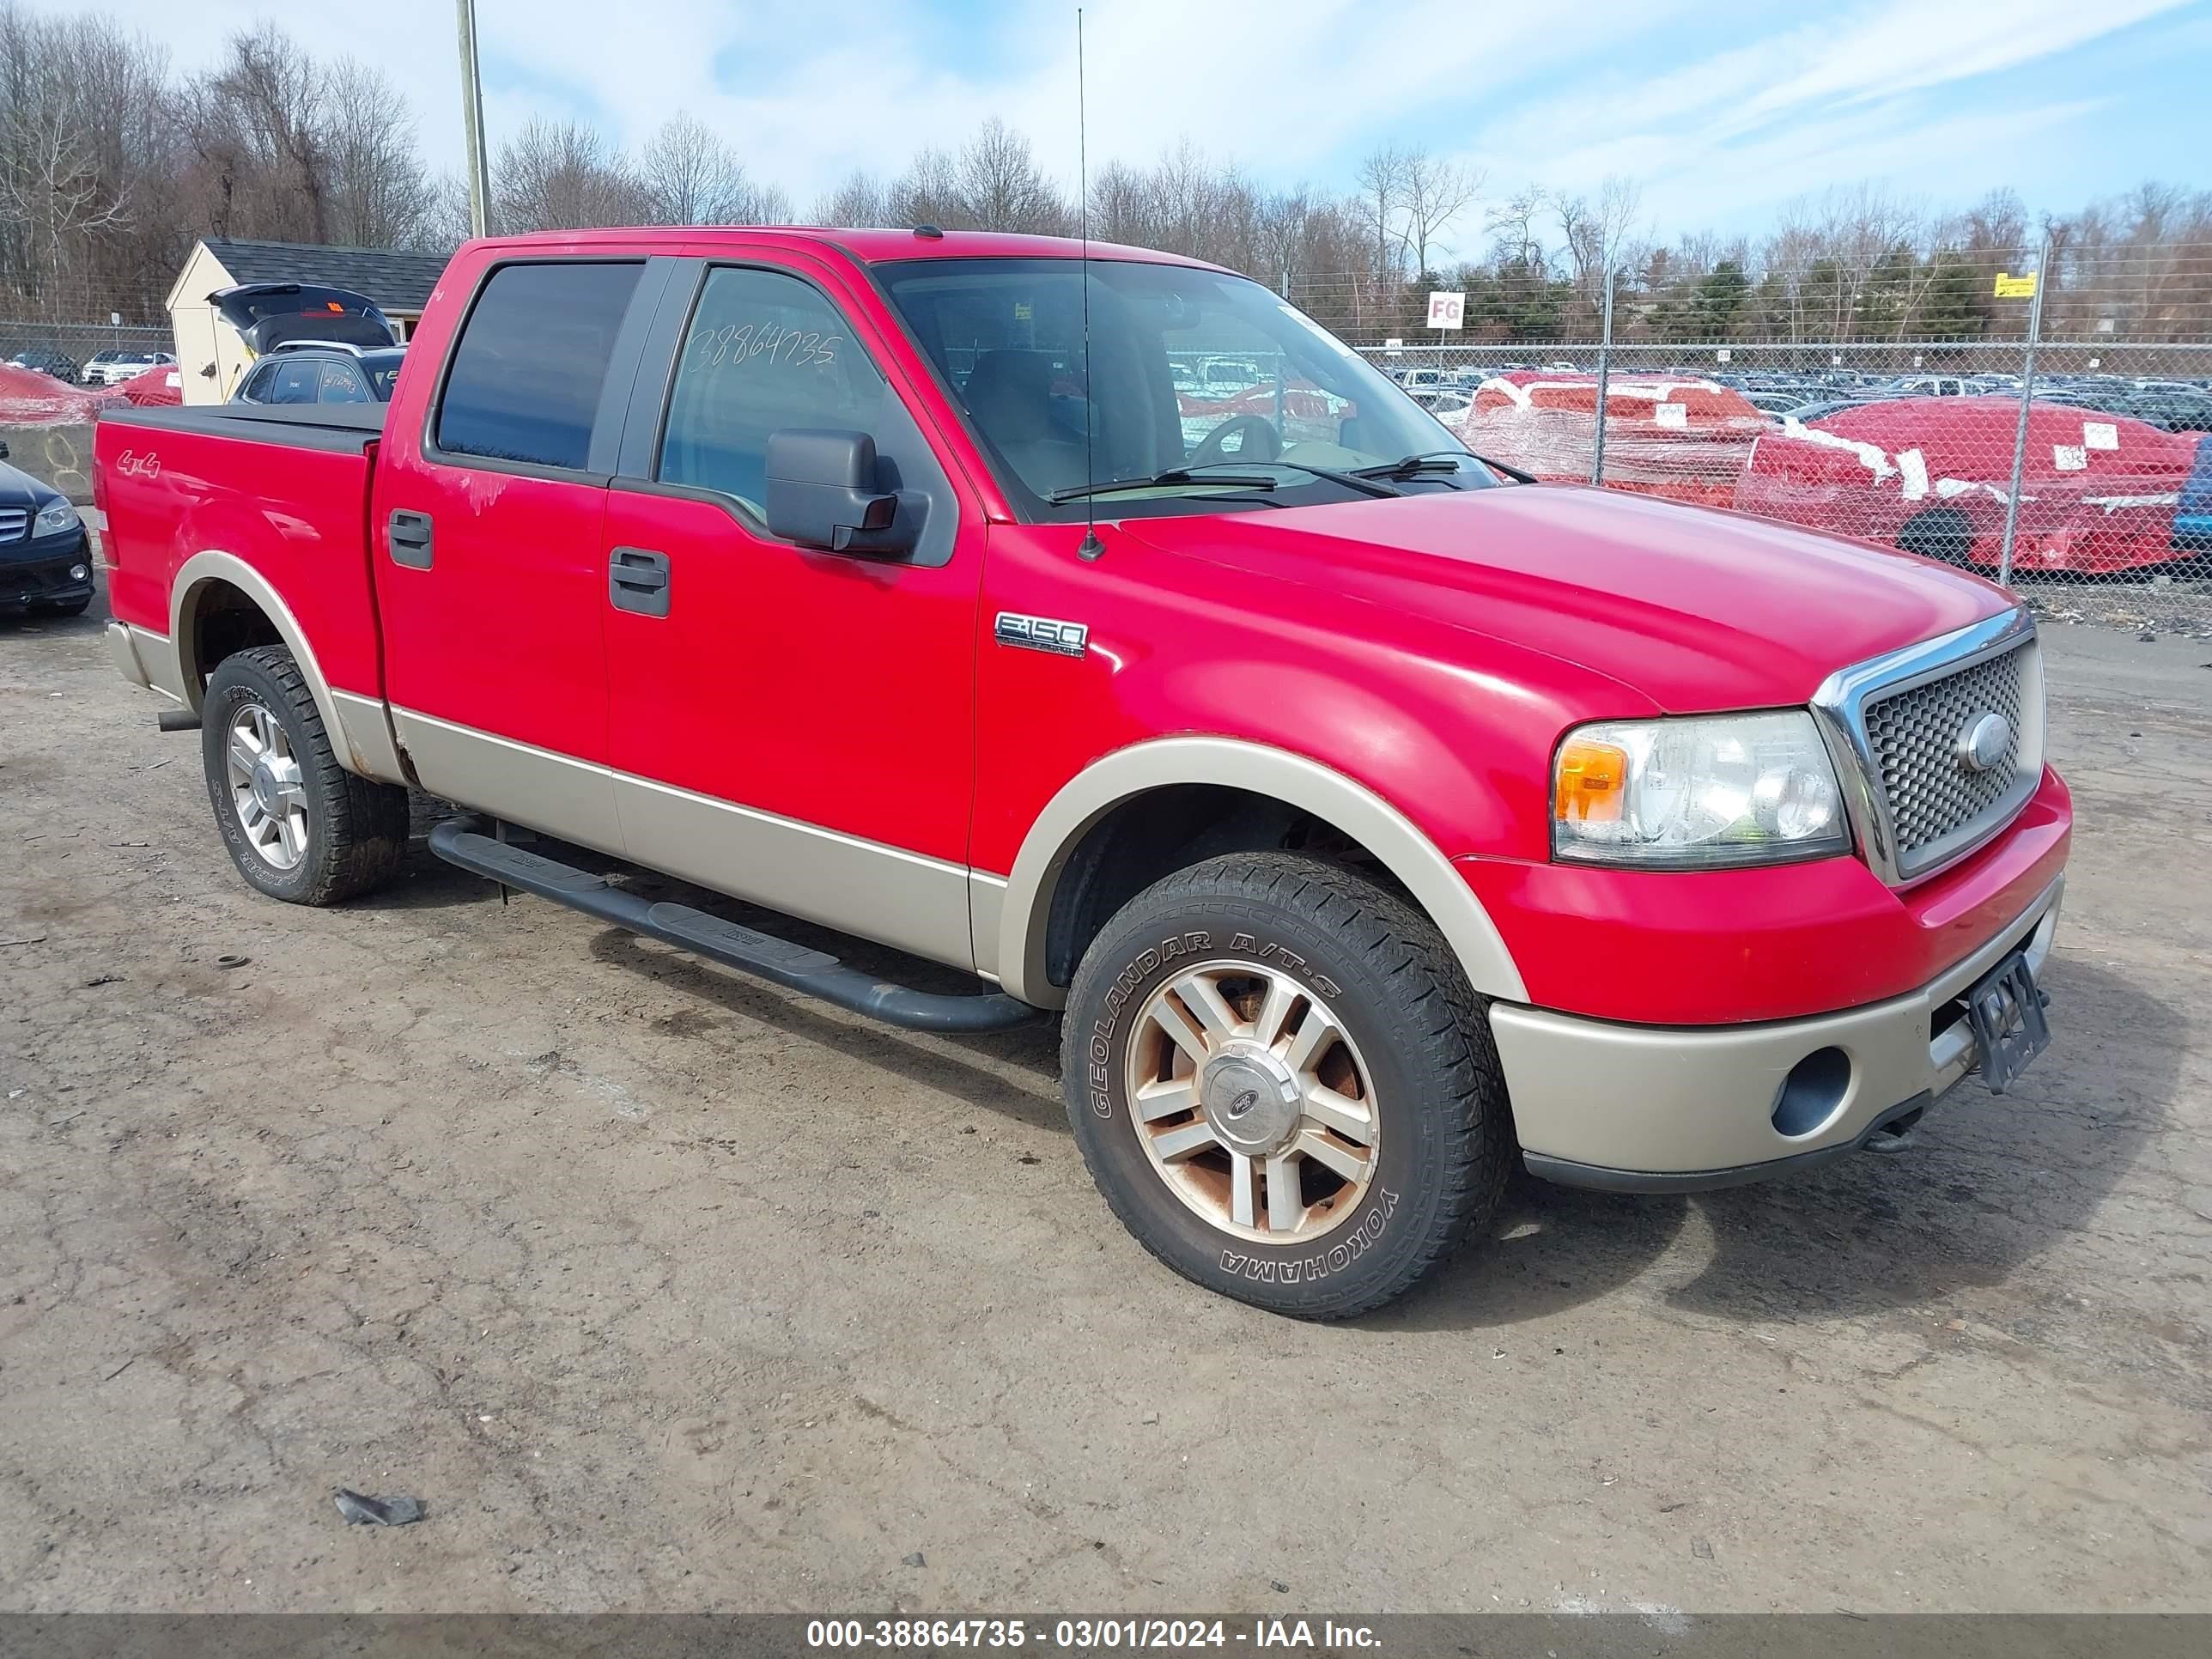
<point>665,1290</point>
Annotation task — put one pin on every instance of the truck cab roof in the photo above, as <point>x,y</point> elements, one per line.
<point>869,246</point>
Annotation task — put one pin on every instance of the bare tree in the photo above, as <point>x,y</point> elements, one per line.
<point>1433,194</point>
<point>999,186</point>
<point>1513,225</point>
<point>563,175</point>
<point>1598,233</point>
<point>861,201</point>
<point>379,194</point>
<point>690,177</point>
<point>257,126</point>
<point>929,193</point>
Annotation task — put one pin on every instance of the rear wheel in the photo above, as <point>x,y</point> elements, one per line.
<point>298,826</point>
<point>1284,1086</point>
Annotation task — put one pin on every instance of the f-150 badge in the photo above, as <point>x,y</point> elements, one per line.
<point>1063,639</point>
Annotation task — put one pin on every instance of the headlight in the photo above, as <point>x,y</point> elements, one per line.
<point>1683,794</point>
<point>55,518</point>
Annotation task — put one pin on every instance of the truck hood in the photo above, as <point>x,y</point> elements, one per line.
<point>1697,608</point>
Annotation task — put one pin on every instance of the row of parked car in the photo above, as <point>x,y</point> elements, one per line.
<point>109,368</point>
<point>1926,468</point>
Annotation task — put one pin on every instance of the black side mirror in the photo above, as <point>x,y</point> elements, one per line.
<point>822,492</point>
<point>3,449</point>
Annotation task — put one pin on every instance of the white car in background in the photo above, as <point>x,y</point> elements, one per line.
<point>114,367</point>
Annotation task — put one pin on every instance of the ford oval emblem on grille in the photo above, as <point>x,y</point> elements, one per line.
<point>1982,745</point>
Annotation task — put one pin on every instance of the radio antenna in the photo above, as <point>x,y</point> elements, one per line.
<point>1091,547</point>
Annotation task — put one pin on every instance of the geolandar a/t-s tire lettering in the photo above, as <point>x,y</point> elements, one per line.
<point>1282,1084</point>
<point>297,824</point>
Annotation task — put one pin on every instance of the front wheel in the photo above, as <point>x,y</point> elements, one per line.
<point>1282,1084</point>
<point>298,826</point>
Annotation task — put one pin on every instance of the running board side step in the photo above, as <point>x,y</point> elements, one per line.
<point>793,966</point>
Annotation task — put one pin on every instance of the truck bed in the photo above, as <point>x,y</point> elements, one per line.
<point>274,499</point>
<point>345,428</point>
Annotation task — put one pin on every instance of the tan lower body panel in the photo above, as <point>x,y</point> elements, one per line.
<point>146,659</point>
<point>536,787</point>
<point>364,738</point>
<point>1677,1099</point>
<point>899,898</point>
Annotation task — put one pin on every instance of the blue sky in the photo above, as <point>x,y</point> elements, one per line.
<point>1722,110</point>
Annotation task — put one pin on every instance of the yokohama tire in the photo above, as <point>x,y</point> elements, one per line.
<point>1418,1050</point>
<point>355,829</point>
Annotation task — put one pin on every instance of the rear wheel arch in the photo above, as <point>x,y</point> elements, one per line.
<point>1055,896</point>
<point>210,588</point>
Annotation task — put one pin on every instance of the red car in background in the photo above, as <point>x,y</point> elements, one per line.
<point>1929,475</point>
<point>1687,439</point>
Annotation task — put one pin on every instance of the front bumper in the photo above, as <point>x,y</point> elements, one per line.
<point>1642,1108</point>
<point>45,572</point>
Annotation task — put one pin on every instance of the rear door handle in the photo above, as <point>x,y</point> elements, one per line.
<point>637,580</point>
<point>408,535</point>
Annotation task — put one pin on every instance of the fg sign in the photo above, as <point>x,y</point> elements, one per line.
<point>1448,311</point>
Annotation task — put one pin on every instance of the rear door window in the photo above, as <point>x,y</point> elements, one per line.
<point>295,383</point>
<point>527,371</point>
<point>342,384</point>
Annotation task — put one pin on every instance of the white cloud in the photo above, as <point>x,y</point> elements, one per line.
<point>1563,93</point>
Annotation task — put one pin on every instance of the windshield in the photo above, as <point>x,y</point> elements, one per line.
<point>1189,369</point>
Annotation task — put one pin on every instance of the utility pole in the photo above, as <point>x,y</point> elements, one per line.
<point>1604,376</point>
<point>472,120</point>
<point>2026,398</point>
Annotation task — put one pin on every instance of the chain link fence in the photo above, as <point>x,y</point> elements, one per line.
<point>64,349</point>
<point>2067,457</point>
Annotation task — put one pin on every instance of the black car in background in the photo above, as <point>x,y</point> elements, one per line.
<point>46,558</point>
<point>45,361</point>
<point>2169,408</point>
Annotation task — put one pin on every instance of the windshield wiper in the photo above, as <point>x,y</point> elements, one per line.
<point>1203,474</point>
<point>1174,475</point>
<point>1438,460</point>
<point>1365,484</point>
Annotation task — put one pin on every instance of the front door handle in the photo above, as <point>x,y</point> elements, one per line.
<point>408,535</point>
<point>637,580</point>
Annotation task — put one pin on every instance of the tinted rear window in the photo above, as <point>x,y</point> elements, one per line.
<point>526,376</point>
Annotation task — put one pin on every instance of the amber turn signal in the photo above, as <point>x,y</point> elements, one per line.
<point>1593,782</point>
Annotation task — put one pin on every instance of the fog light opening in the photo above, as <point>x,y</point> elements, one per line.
<point>1814,1092</point>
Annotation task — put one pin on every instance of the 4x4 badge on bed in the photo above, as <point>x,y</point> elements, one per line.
<point>1063,639</point>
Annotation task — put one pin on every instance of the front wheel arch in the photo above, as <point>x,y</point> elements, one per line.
<point>1014,942</point>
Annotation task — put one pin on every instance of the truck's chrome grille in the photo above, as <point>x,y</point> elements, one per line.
<point>1916,738</point>
<point>14,522</point>
<point>1931,773</point>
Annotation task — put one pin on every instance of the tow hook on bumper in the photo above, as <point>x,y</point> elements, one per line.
<point>1898,1135</point>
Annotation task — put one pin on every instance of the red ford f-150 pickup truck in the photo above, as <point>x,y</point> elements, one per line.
<point>1374,818</point>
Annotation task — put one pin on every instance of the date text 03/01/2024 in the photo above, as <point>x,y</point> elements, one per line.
<point>1089,1635</point>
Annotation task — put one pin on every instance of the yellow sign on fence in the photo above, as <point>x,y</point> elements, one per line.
<point>2010,287</point>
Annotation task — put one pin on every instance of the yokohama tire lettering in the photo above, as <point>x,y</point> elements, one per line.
<point>1291,1270</point>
